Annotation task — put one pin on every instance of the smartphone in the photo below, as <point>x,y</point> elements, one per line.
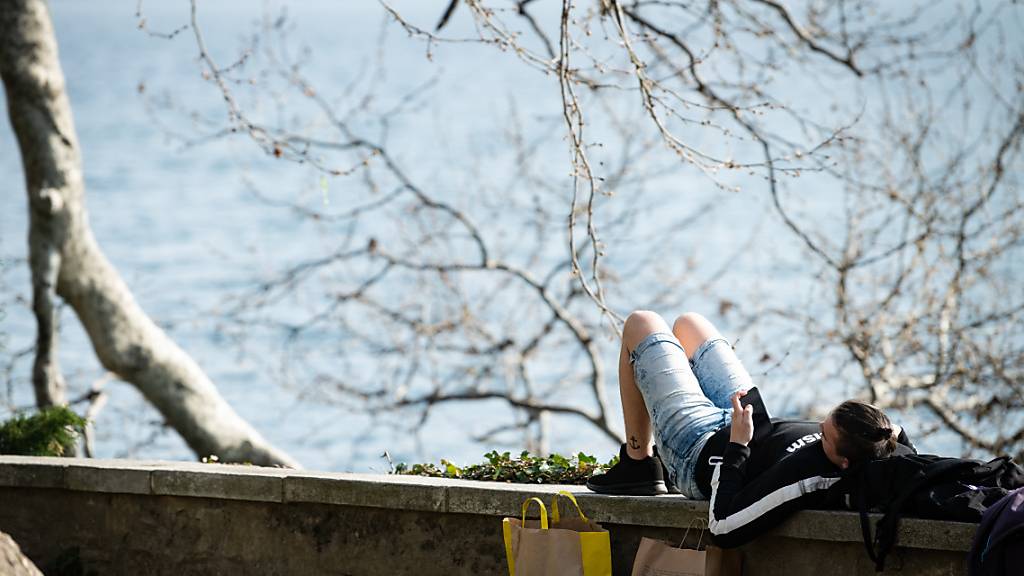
<point>762,421</point>
<point>752,398</point>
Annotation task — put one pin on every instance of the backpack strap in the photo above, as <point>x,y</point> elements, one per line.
<point>865,522</point>
<point>887,528</point>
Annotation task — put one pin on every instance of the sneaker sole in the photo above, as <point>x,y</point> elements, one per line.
<point>645,488</point>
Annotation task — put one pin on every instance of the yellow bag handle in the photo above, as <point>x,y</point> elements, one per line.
<point>555,516</point>
<point>543,512</point>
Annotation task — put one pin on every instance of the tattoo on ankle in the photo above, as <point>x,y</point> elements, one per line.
<point>634,443</point>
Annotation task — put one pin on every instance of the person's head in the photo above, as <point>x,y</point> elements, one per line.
<point>856,431</point>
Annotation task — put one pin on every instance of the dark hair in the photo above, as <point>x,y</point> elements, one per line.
<point>865,432</point>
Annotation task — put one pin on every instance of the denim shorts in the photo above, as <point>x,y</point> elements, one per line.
<point>688,400</point>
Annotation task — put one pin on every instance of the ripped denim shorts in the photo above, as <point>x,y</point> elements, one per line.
<point>688,400</point>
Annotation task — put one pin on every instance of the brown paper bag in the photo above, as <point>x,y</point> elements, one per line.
<point>657,558</point>
<point>722,562</point>
<point>572,546</point>
<point>540,551</point>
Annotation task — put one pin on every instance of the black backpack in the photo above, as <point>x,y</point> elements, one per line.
<point>925,486</point>
<point>998,547</point>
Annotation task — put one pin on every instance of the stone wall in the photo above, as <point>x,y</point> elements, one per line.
<point>77,516</point>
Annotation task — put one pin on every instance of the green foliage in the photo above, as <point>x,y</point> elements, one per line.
<point>526,469</point>
<point>49,432</point>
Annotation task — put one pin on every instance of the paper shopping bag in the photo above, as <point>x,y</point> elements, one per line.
<point>722,562</point>
<point>574,546</point>
<point>657,558</point>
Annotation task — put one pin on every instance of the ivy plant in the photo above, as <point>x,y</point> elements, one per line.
<point>525,469</point>
<point>49,432</point>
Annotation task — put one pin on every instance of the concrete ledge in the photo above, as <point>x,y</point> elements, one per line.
<point>250,483</point>
<point>112,476</point>
<point>37,472</point>
<point>370,490</point>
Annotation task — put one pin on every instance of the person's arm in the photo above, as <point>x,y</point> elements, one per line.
<point>743,508</point>
<point>729,477</point>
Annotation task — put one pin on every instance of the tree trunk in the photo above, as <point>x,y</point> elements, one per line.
<point>66,260</point>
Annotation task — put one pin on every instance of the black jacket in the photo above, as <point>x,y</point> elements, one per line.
<point>754,488</point>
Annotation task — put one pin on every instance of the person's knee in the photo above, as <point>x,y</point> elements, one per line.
<point>690,322</point>
<point>639,325</point>
<point>692,330</point>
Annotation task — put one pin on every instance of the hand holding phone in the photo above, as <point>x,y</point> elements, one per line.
<point>742,431</point>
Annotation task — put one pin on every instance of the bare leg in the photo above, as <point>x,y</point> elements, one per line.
<point>722,374</point>
<point>692,330</point>
<point>639,437</point>
<point>675,392</point>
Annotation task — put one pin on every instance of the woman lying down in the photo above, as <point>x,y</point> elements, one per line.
<point>688,384</point>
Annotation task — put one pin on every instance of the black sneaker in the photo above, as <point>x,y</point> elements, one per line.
<point>664,473</point>
<point>631,477</point>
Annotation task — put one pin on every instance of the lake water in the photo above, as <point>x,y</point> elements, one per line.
<point>183,229</point>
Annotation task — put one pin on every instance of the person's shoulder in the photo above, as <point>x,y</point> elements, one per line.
<point>809,461</point>
<point>795,421</point>
<point>794,428</point>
